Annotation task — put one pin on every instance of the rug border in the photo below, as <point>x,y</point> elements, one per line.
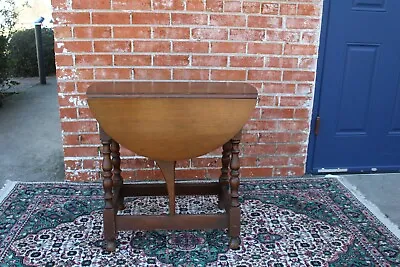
<point>6,190</point>
<point>374,209</point>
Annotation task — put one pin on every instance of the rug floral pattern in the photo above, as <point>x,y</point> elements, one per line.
<point>292,222</point>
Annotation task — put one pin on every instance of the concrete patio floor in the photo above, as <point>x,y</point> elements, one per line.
<point>31,148</point>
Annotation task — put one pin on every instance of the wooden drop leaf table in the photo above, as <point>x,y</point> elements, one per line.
<point>168,122</point>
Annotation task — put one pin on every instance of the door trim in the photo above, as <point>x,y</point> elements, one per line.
<point>318,84</point>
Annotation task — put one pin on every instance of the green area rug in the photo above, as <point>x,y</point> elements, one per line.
<point>285,222</point>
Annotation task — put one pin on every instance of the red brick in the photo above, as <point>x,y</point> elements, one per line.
<point>190,74</point>
<point>274,161</point>
<point>78,74</point>
<point>295,101</point>
<point>152,74</point>
<point>246,61</point>
<point>288,9</point>
<point>73,164</point>
<point>64,60</point>
<point>264,75</point>
<point>146,175</point>
<point>264,22</point>
<point>228,75</point>
<point>189,19</point>
<point>91,164</point>
<point>300,23</point>
<point>267,101</point>
<point>281,62</point>
<point>206,162</point>
<point>59,4</point>
<point>298,49</point>
<point>249,138</point>
<point>84,113</point>
<point>98,4</point>
<point>228,20</point>
<point>276,113</point>
<point>308,63</point>
<point>132,32</point>
<point>168,4</point>
<point>251,7</point>
<point>289,171</point>
<point>112,74</point>
<point>70,140</point>
<point>276,137</point>
<point>283,35</point>
<point>279,88</point>
<point>152,46</point>
<point>270,8</point>
<point>112,46</point>
<point>68,113</point>
<point>111,18</point>
<point>81,87</point>
<point>171,33</point>
<point>195,174</point>
<point>310,37</point>
<point>73,47</point>
<point>92,32</point>
<point>66,87</point>
<point>150,18</point>
<point>308,10</point>
<point>80,151</point>
<point>89,139</point>
<point>82,176</point>
<point>171,60</point>
<point>212,61</point>
<point>183,164</point>
<point>304,89</point>
<point>232,6</point>
<point>194,5</point>
<point>131,5</point>
<point>247,35</point>
<point>132,60</point>
<point>288,149</point>
<point>93,60</point>
<point>66,18</point>
<point>62,32</point>
<point>190,47</point>
<point>138,163</point>
<point>215,5</point>
<point>265,48</point>
<point>294,125</point>
<point>79,126</point>
<point>256,172</point>
<point>270,125</point>
<point>298,75</point>
<point>299,137</point>
<point>210,34</point>
<point>228,47</point>
<point>301,113</point>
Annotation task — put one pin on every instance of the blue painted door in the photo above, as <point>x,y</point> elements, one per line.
<point>359,98</point>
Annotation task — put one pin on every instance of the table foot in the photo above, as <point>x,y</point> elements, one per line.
<point>111,245</point>
<point>234,243</point>
<point>168,170</point>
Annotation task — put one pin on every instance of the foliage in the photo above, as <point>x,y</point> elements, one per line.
<point>22,55</point>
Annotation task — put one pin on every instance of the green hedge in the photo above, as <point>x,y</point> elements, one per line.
<point>22,59</point>
<point>3,60</point>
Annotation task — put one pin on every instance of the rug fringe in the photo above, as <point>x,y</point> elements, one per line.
<point>394,228</point>
<point>5,191</point>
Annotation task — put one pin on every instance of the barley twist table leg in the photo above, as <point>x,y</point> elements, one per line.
<point>117,178</point>
<point>224,178</point>
<point>234,211</point>
<point>109,213</point>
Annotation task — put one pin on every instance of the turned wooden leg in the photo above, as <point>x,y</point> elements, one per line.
<point>224,178</point>
<point>117,178</point>
<point>108,214</point>
<point>234,211</point>
<point>168,170</point>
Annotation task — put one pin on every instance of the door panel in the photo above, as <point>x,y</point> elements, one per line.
<point>360,99</point>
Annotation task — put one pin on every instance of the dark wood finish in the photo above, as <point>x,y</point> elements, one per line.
<point>223,90</point>
<point>168,170</point>
<point>224,177</point>
<point>168,122</point>
<point>234,212</point>
<point>176,222</point>
<point>109,211</point>
<point>117,178</point>
<point>159,189</point>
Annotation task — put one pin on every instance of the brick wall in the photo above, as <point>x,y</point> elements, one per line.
<point>271,44</point>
